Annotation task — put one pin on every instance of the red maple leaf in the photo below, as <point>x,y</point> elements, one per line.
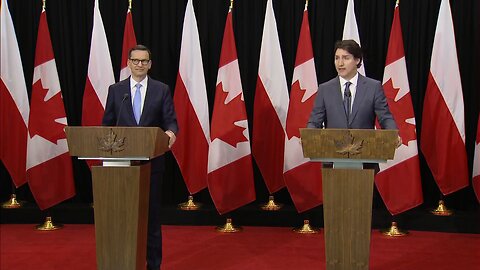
<point>298,111</point>
<point>225,115</point>
<point>402,110</point>
<point>44,113</point>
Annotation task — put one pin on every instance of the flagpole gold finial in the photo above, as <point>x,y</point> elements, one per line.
<point>129,5</point>
<point>306,5</point>
<point>43,5</point>
<point>231,6</point>
<point>396,3</point>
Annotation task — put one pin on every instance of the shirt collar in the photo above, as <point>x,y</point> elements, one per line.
<point>353,80</point>
<point>143,82</point>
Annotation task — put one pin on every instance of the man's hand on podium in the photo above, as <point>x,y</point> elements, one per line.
<point>172,139</point>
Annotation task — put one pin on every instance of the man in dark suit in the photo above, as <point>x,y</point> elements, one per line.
<point>142,101</point>
<point>350,100</point>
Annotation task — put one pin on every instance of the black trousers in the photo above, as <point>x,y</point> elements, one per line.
<point>154,235</point>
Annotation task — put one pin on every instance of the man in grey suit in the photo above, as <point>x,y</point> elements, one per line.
<point>350,100</point>
<point>142,101</point>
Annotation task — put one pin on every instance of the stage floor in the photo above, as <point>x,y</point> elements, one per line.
<point>255,248</point>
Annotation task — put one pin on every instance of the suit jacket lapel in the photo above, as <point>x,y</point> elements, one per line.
<point>147,102</point>
<point>128,110</point>
<point>359,96</point>
<point>339,100</point>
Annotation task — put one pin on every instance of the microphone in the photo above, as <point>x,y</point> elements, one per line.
<point>125,96</point>
<point>348,94</point>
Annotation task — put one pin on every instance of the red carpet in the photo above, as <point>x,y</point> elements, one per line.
<point>256,248</point>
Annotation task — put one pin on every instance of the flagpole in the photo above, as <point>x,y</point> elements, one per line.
<point>228,227</point>
<point>48,224</point>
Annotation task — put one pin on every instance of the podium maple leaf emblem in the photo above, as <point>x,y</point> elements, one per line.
<point>226,115</point>
<point>402,110</point>
<point>44,113</point>
<point>298,111</point>
<point>110,143</point>
<point>348,146</point>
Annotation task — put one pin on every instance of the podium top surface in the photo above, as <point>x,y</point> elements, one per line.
<point>361,145</point>
<point>133,143</point>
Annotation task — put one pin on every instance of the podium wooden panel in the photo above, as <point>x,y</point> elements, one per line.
<point>121,189</point>
<point>348,188</point>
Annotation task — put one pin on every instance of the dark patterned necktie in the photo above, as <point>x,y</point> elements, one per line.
<point>347,100</point>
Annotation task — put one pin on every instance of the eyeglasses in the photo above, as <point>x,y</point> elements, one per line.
<point>138,61</point>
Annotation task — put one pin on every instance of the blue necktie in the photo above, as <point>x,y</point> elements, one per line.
<point>137,103</point>
<point>347,97</point>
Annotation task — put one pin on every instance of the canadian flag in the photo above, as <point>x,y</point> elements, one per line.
<point>302,177</point>
<point>129,41</point>
<point>100,74</point>
<point>350,29</point>
<point>191,149</point>
<point>443,123</point>
<point>399,181</point>
<point>476,163</point>
<point>270,107</point>
<point>230,172</point>
<point>49,167</point>
<point>14,107</point>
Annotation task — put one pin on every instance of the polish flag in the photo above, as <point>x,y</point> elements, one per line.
<point>191,149</point>
<point>302,177</point>
<point>230,172</point>
<point>129,41</point>
<point>399,181</point>
<point>100,74</point>
<point>350,29</point>
<point>49,167</point>
<point>14,107</point>
<point>476,164</point>
<point>270,107</point>
<point>443,123</point>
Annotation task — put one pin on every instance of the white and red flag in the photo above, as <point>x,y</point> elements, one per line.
<point>230,172</point>
<point>399,181</point>
<point>302,177</point>
<point>100,74</point>
<point>14,107</point>
<point>350,29</point>
<point>190,99</point>
<point>129,41</point>
<point>443,122</point>
<point>476,163</point>
<point>49,166</point>
<point>270,107</point>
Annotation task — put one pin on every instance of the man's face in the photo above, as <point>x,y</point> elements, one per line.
<point>140,69</point>
<point>345,64</point>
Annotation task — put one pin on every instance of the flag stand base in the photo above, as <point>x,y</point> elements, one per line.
<point>48,225</point>
<point>12,202</point>
<point>394,231</point>
<point>228,227</point>
<point>189,205</point>
<point>271,205</point>
<point>441,210</point>
<point>306,228</point>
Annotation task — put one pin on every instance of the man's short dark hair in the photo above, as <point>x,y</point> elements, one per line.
<point>140,47</point>
<point>352,47</point>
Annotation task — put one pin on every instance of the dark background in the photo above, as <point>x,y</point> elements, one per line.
<point>158,25</point>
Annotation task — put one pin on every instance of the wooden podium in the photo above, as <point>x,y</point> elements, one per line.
<point>120,188</point>
<point>348,188</point>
